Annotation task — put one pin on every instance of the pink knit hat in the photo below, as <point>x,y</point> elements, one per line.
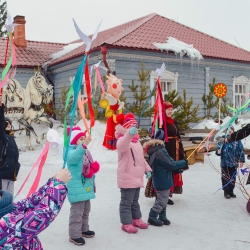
<point>76,134</point>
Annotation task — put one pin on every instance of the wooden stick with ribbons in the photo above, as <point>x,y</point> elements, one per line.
<point>211,132</point>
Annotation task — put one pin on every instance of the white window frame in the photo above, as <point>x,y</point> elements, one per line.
<point>170,78</point>
<point>83,89</point>
<point>241,86</point>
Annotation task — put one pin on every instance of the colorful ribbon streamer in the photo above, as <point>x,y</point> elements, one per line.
<point>9,69</point>
<point>244,107</point>
<point>74,89</point>
<point>41,160</point>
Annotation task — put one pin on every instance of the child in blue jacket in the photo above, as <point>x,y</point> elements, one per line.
<point>162,165</point>
<point>232,156</point>
<point>81,187</point>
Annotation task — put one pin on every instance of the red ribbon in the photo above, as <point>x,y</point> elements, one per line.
<point>88,89</point>
<point>41,158</point>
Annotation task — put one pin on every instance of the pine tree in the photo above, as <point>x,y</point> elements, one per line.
<point>3,17</point>
<point>185,114</point>
<point>141,93</point>
<point>173,97</point>
<point>210,100</point>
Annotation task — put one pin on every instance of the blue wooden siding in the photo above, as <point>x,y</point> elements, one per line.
<point>191,76</point>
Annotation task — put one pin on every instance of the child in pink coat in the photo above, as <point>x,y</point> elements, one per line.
<point>131,169</point>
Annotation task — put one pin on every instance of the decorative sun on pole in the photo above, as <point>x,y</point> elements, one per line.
<point>220,90</point>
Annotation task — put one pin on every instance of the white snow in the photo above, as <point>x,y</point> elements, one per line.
<point>66,49</point>
<point>199,219</point>
<point>179,48</point>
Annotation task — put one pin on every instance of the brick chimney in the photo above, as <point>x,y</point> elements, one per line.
<point>19,31</point>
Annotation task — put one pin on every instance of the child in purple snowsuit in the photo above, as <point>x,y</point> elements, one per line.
<point>21,222</point>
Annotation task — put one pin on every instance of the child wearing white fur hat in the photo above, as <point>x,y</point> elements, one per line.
<point>81,188</point>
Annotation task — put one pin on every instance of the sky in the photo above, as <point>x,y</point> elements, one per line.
<point>51,20</point>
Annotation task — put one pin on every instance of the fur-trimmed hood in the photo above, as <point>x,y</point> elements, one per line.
<point>152,145</point>
<point>152,142</point>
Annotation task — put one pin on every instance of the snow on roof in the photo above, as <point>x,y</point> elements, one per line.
<point>66,49</point>
<point>180,48</point>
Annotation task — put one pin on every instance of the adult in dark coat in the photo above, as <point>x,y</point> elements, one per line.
<point>174,148</point>
<point>9,165</point>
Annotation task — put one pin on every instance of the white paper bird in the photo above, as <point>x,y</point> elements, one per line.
<point>9,25</point>
<point>161,70</point>
<point>84,37</point>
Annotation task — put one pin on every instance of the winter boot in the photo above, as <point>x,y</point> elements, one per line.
<point>170,202</point>
<point>163,217</point>
<point>88,234</point>
<point>140,224</point>
<point>78,241</point>
<point>129,229</point>
<point>152,220</point>
<point>231,193</point>
<point>226,194</point>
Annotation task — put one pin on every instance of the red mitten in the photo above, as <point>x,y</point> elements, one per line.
<point>90,174</point>
<point>95,166</point>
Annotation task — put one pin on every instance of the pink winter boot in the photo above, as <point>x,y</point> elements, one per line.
<point>140,224</point>
<point>129,229</point>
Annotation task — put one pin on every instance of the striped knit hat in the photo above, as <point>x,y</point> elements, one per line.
<point>127,121</point>
<point>75,134</point>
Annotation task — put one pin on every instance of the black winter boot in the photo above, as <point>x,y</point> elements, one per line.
<point>78,241</point>
<point>88,234</point>
<point>226,194</point>
<point>152,220</point>
<point>163,217</point>
<point>231,193</point>
<point>170,202</point>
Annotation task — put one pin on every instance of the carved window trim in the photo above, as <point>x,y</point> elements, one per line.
<point>169,78</point>
<point>111,63</point>
<point>241,86</point>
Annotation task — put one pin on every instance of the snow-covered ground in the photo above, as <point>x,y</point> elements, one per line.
<point>199,219</point>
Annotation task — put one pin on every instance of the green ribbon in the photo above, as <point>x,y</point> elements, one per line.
<point>74,90</point>
<point>232,120</point>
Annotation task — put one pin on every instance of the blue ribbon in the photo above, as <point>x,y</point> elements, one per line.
<point>76,87</point>
<point>232,178</point>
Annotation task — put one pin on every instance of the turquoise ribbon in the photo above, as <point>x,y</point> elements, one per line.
<point>75,89</point>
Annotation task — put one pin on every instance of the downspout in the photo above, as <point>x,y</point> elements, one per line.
<point>104,51</point>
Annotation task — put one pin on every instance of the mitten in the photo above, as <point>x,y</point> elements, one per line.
<point>133,130</point>
<point>148,174</point>
<point>95,166</point>
<point>90,174</point>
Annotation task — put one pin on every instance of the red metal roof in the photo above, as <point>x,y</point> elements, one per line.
<point>142,32</point>
<point>136,34</point>
<point>34,54</point>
